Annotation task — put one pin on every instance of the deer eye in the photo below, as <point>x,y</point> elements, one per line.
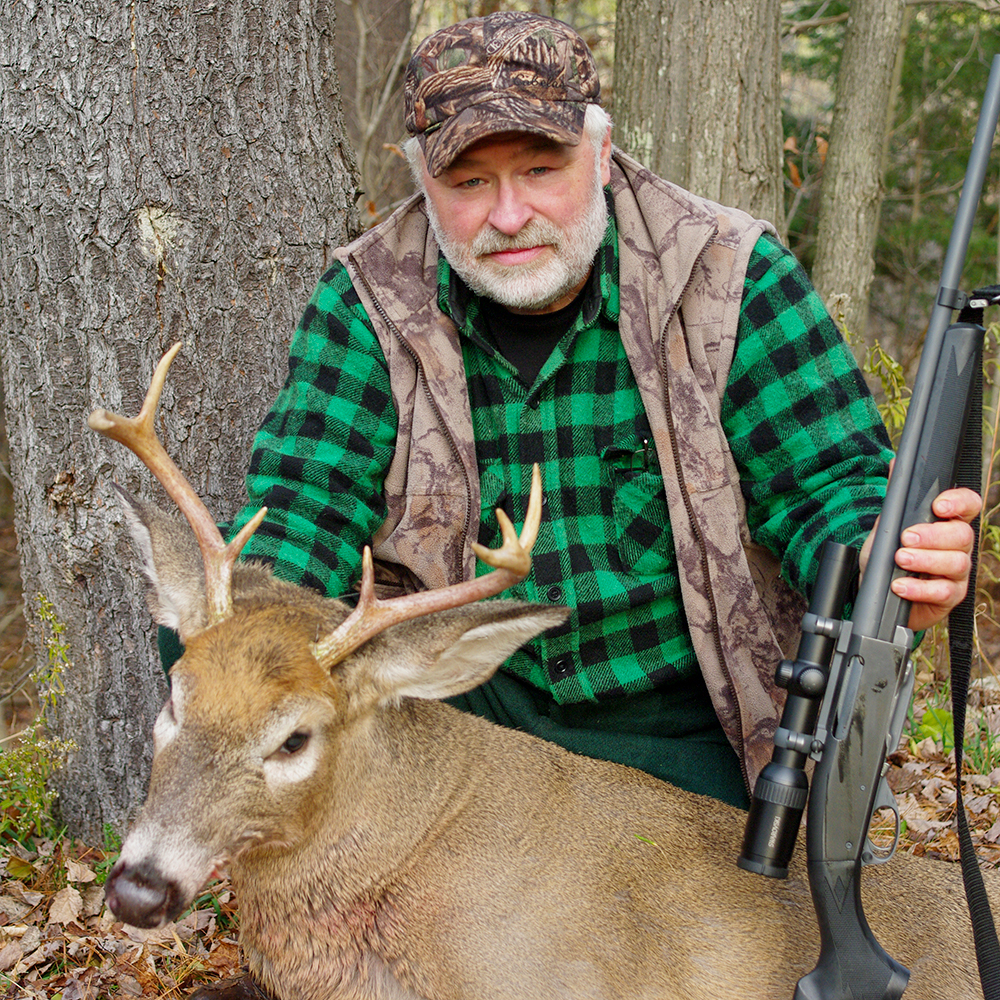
<point>295,743</point>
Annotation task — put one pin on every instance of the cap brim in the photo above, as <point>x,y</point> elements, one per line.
<point>561,121</point>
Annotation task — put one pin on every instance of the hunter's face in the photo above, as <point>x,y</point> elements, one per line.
<point>520,217</point>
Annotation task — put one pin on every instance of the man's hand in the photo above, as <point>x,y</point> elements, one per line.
<point>941,553</point>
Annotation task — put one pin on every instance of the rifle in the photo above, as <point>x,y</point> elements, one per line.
<point>850,686</point>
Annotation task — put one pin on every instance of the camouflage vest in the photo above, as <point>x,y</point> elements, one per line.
<point>682,265</point>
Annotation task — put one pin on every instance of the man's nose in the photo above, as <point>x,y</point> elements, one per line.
<point>510,211</point>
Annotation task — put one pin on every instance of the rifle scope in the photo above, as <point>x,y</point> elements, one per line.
<point>779,796</point>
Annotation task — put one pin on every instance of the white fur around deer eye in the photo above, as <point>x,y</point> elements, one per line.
<point>290,750</point>
<point>283,768</point>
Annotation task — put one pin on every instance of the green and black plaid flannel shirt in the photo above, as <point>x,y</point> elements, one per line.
<point>808,441</point>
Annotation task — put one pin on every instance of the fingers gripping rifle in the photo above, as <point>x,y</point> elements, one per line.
<point>850,686</point>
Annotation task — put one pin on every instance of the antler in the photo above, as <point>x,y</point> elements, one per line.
<point>138,435</point>
<point>371,616</point>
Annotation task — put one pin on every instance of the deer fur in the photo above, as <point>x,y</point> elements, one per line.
<point>384,845</point>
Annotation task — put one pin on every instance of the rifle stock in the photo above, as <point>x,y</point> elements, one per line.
<point>870,681</point>
<point>852,964</point>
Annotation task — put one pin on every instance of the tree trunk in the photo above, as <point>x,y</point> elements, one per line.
<point>852,192</point>
<point>903,342</point>
<point>697,97</point>
<point>170,173</point>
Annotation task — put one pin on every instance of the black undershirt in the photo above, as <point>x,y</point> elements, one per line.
<point>527,340</point>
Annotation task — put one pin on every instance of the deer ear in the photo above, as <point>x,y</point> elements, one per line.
<point>172,565</point>
<point>454,651</point>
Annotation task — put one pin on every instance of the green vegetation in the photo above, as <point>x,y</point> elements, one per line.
<point>31,757</point>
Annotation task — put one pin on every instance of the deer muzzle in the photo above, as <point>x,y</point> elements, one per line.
<point>140,895</point>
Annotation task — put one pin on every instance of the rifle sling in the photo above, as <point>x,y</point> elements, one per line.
<point>960,642</point>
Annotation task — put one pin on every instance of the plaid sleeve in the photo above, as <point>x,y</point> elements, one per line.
<point>808,440</point>
<point>320,456</point>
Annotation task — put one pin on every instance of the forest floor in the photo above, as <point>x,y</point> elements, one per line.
<point>59,941</point>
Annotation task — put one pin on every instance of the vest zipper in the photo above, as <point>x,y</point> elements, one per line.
<point>394,330</point>
<point>696,529</point>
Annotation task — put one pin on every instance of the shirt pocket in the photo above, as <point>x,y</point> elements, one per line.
<point>640,515</point>
<point>494,492</point>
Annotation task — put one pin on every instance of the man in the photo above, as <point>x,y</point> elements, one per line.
<point>700,425</point>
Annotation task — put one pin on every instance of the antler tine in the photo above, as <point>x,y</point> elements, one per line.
<point>138,434</point>
<point>371,616</point>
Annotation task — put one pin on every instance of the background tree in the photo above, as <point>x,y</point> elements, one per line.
<point>853,187</point>
<point>942,54</point>
<point>170,172</point>
<point>372,45</point>
<point>947,52</point>
<point>697,97</point>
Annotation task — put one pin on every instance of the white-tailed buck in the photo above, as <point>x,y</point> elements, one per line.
<point>382,844</point>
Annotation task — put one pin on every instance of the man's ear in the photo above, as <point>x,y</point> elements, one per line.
<point>606,158</point>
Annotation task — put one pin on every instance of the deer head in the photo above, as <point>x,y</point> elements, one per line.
<point>277,680</point>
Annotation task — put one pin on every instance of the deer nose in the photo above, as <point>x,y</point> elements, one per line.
<point>139,895</point>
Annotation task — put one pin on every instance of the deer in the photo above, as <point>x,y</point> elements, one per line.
<point>382,844</point>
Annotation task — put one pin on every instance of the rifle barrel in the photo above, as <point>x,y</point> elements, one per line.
<point>871,616</point>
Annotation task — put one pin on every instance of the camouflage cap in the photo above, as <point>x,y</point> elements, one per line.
<point>511,71</point>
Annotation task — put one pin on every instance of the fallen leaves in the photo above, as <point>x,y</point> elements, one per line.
<point>66,906</point>
<point>58,941</point>
<point>923,780</point>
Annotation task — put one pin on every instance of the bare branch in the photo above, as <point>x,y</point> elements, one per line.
<point>801,27</point>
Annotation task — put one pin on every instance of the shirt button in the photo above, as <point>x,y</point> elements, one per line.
<point>561,667</point>
<point>554,593</point>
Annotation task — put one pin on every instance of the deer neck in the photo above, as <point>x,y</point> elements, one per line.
<point>404,780</point>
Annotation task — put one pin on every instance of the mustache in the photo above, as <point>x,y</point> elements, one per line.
<point>535,233</point>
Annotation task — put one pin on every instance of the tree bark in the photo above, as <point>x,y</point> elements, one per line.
<point>170,173</point>
<point>697,97</point>
<point>852,191</point>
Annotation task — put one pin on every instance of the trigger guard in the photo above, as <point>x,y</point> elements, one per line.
<point>872,854</point>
